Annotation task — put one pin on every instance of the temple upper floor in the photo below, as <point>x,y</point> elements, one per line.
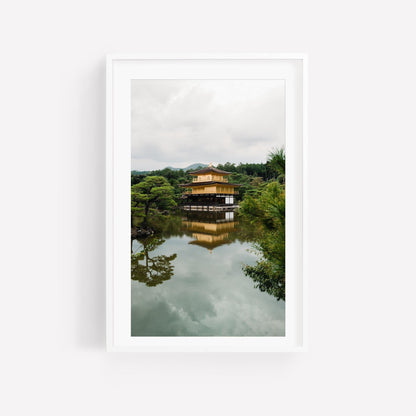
<point>210,177</point>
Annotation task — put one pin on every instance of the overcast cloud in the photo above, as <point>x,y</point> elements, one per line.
<point>180,122</point>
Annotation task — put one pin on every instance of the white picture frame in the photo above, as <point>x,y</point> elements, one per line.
<point>121,69</point>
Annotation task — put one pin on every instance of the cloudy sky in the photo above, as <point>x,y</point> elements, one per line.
<point>180,122</point>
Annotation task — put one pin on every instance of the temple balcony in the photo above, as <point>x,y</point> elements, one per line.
<point>203,192</point>
<point>208,178</point>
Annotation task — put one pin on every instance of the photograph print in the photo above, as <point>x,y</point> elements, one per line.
<point>207,208</point>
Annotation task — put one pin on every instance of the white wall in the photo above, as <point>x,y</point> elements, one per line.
<point>361,210</point>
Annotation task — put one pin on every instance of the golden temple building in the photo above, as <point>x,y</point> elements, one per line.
<point>210,190</point>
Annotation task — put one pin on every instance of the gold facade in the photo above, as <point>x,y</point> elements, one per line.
<point>209,178</point>
<point>209,190</point>
<point>213,189</point>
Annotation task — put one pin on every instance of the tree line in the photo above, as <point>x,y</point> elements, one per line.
<point>249,175</point>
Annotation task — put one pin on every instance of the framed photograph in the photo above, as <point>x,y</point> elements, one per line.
<point>205,203</point>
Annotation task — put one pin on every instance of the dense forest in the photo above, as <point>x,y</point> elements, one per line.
<point>157,194</point>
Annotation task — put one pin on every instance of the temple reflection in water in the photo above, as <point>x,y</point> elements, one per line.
<point>210,229</point>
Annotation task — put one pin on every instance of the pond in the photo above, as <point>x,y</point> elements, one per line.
<point>188,280</point>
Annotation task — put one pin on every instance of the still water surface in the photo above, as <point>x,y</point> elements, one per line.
<point>189,281</point>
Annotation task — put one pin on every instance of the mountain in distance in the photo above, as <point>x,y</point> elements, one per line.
<point>194,166</point>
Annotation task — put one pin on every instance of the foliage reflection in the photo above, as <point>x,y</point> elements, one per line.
<point>154,270</point>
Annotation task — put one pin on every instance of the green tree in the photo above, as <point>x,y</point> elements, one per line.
<point>267,211</point>
<point>136,178</point>
<point>174,178</point>
<point>277,164</point>
<point>151,192</point>
<point>265,208</point>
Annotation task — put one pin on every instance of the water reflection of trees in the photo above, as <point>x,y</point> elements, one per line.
<point>151,270</point>
<point>268,273</point>
<point>162,225</point>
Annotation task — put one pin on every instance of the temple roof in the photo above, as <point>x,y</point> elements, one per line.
<point>208,170</point>
<point>188,185</point>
